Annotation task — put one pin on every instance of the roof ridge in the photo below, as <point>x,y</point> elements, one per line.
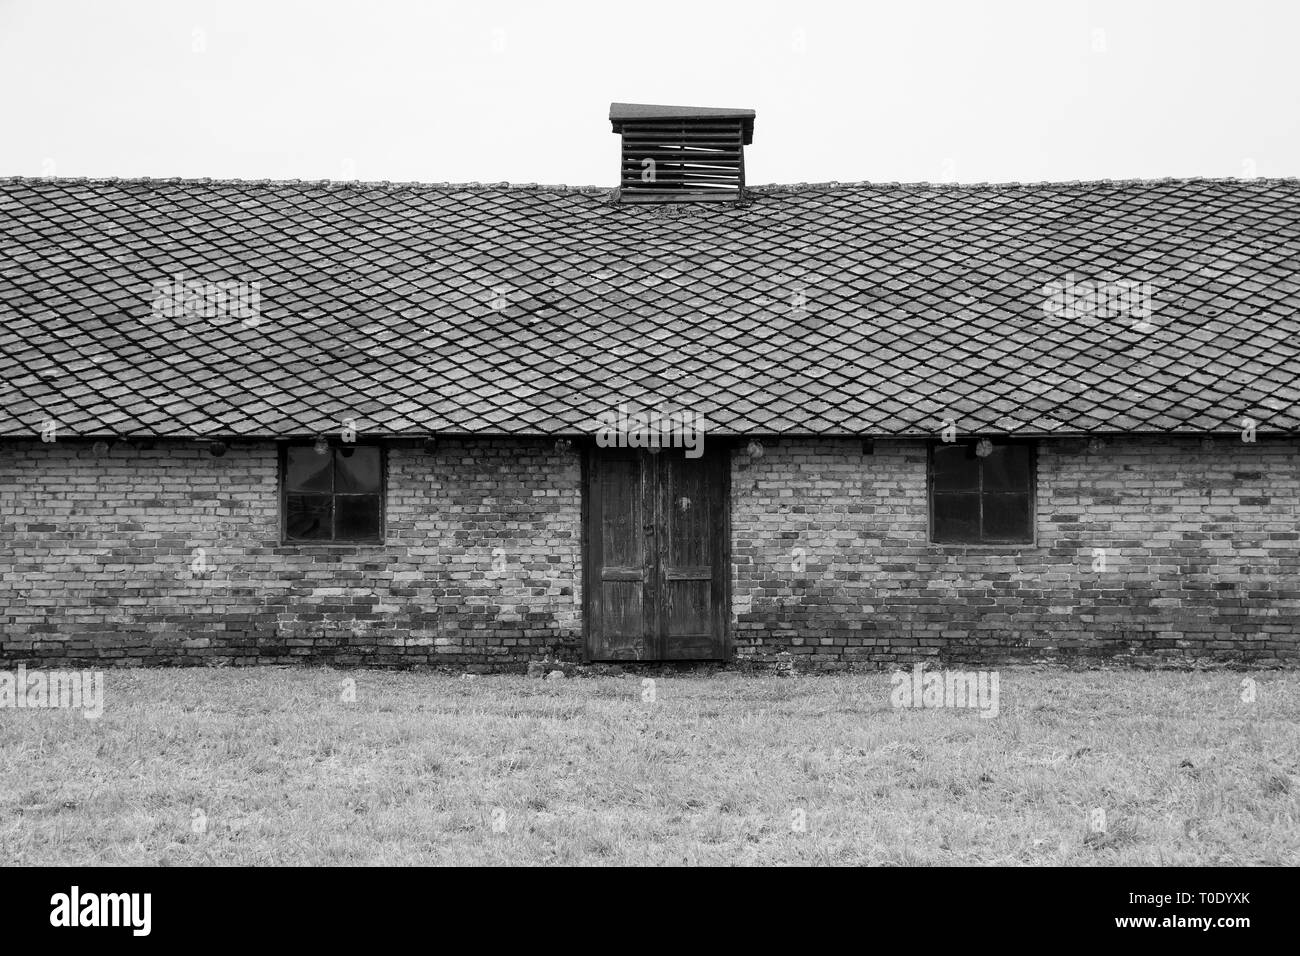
<point>316,183</point>
<point>765,189</point>
<point>1041,184</point>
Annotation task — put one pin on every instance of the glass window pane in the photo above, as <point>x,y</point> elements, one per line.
<point>955,469</point>
<point>1007,518</point>
<point>305,470</point>
<point>358,517</point>
<point>357,469</point>
<point>1007,468</point>
<point>308,517</point>
<point>956,518</point>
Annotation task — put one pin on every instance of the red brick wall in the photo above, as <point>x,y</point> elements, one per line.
<point>96,558</point>
<point>1203,561</point>
<point>1202,558</point>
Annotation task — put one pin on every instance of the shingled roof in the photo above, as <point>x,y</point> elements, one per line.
<point>836,309</point>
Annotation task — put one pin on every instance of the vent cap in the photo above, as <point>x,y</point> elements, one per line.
<point>681,153</point>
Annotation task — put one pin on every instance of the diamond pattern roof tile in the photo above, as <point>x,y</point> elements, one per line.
<point>839,309</point>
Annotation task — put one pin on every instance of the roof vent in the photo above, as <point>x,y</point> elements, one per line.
<point>681,153</point>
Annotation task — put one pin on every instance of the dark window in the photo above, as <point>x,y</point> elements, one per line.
<point>334,495</point>
<point>982,500</point>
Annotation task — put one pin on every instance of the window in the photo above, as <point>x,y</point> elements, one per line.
<point>334,495</point>
<point>982,500</point>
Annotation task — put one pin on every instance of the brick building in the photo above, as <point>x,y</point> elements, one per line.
<point>681,419</point>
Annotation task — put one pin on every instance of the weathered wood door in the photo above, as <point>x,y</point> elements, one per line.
<point>657,556</point>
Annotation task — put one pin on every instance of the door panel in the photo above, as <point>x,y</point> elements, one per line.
<point>657,561</point>
<point>690,533</point>
<point>619,559</point>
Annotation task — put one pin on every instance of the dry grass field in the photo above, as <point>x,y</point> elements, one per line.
<point>272,766</point>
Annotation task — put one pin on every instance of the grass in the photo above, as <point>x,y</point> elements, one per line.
<point>426,768</point>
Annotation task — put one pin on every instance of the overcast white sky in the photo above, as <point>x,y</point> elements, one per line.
<point>491,91</point>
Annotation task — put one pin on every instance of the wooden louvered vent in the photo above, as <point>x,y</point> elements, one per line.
<point>681,153</point>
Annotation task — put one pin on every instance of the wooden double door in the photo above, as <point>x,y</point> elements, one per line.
<point>657,561</point>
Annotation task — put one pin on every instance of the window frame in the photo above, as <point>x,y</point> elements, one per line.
<point>332,542</point>
<point>1031,492</point>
